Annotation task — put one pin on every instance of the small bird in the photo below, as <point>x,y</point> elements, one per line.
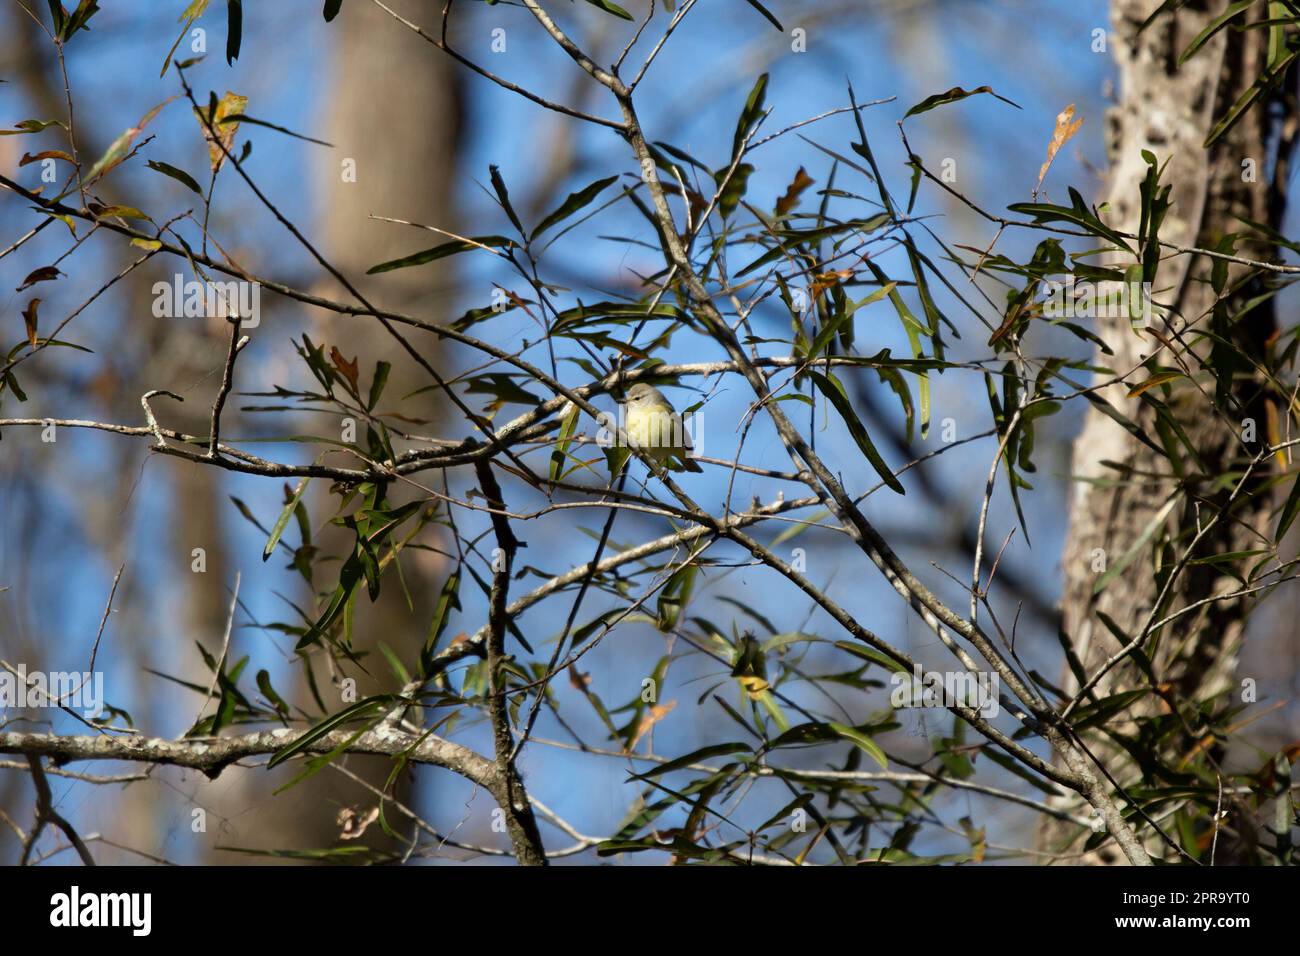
<point>656,429</point>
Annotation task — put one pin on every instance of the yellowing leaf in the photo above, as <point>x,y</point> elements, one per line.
<point>648,720</point>
<point>232,104</point>
<point>1275,432</point>
<point>121,147</point>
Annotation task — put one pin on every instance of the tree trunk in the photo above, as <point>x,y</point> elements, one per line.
<point>1169,109</point>
<point>392,112</point>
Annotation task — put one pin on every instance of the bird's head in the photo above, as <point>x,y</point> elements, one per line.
<point>644,396</point>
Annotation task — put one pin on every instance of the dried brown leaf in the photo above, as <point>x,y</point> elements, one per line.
<point>1066,127</point>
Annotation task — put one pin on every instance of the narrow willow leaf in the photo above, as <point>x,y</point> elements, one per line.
<point>234,29</point>
<point>766,13</point>
<point>952,96</point>
<point>1213,27</point>
<point>283,520</point>
<point>362,708</point>
<point>833,391</point>
<point>695,756</point>
<point>613,8</point>
<point>1289,510</point>
<point>182,177</point>
<point>750,114</point>
<point>452,248</point>
<point>1131,554</point>
<point>503,197</point>
<point>1157,379</point>
<point>572,204</point>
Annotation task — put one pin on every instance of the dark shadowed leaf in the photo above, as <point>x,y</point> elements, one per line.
<point>833,391</point>
<point>179,175</point>
<point>503,197</point>
<point>43,274</point>
<point>370,707</point>
<point>438,252</point>
<point>572,204</point>
<point>952,96</point>
<point>234,29</point>
<point>767,13</point>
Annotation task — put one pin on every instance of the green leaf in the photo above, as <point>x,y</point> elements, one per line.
<point>268,691</point>
<point>1131,554</point>
<point>30,126</point>
<point>784,813</point>
<point>831,388</point>
<point>568,426</point>
<point>283,520</point>
<point>120,212</point>
<point>1214,26</point>
<point>750,115</point>
<point>1078,214</point>
<point>695,756</point>
<point>1247,99</point>
<point>191,13</point>
<point>182,177</point>
<point>448,599</point>
<point>674,597</point>
<point>1289,510</point>
<point>733,189</point>
<point>913,328</point>
<point>371,706</point>
<point>613,8</point>
<point>827,333</point>
<point>502,386</point>
<point>58,15</point>
<point>1159,378</point>
<point>377,383</point>
<point>819,732</point>
<point>572,204</point>
<point>438,252</point>
<point>952,96</point>
<point>77,20</point>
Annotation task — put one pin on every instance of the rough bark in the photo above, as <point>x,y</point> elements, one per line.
<point>1169,109</point>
